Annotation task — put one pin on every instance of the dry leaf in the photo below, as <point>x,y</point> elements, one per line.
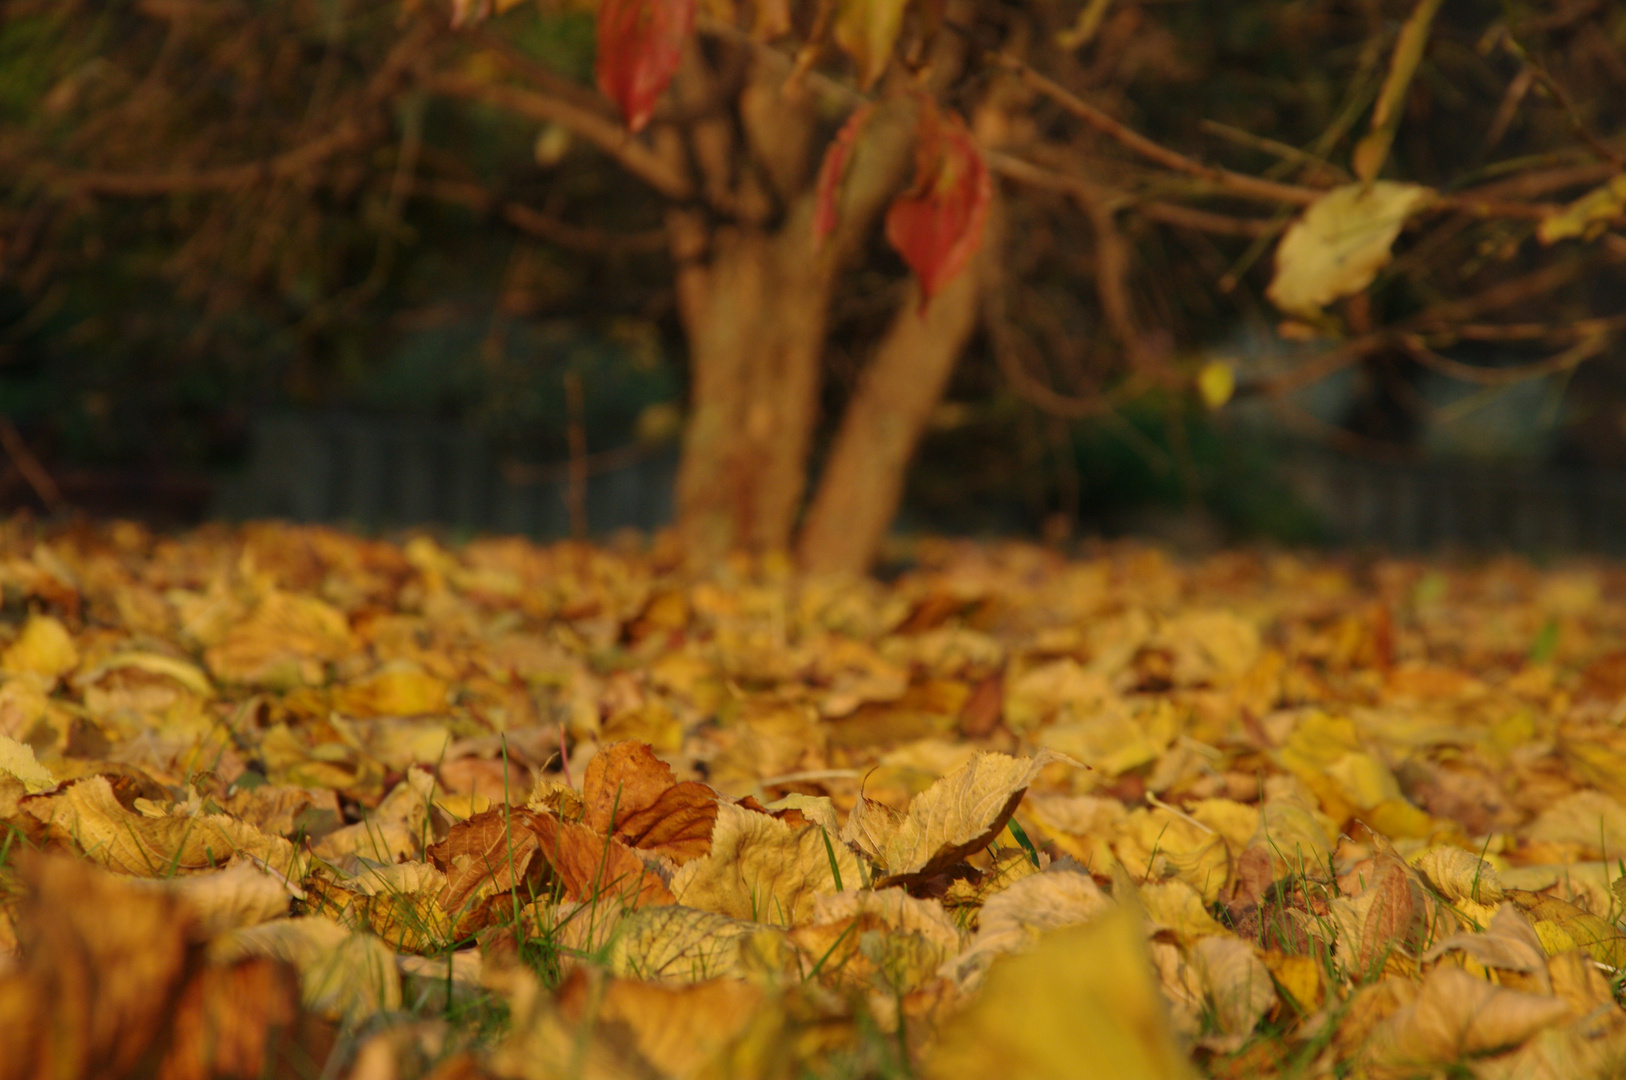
<point>958,815</point>
<point>762,869</point>
<point>1082,1004</point>
<point>1340,243</point>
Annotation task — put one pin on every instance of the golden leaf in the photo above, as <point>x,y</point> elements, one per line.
<point>1083,1003</point>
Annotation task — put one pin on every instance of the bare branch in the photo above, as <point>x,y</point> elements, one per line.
<point>1237,183</point>
<point>598,129</point>
<point>224,178</point>
<point>1584,350</point>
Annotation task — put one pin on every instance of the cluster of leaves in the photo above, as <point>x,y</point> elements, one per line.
<point>522,812</point>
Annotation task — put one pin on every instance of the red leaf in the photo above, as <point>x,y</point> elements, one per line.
<point>640,43</point>
<point>938,224</point>
<point>832,169</point>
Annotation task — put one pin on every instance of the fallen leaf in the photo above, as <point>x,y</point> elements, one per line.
<point>958,815</point>
<point>762,869</point>
<point>1082,1004</point>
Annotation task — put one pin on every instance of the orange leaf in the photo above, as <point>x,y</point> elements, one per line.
<point>938,225</point>
<point>493,846</point>
<point>640,43</point>
<point>628,786</point>
<point>588,866</point>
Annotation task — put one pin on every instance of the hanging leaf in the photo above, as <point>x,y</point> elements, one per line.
<point>867,30</point>
<point>1340,244</point>
<point>938,224</point>
<point>1588,215</point>
<point>833,169</point>
<point>640,43</point>
<point>1371,151</point>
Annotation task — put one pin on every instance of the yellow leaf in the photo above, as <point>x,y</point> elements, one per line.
<point>87,814</point>
<point>1300,977</point>
<point>1340,243</point>
<point>1235,982</point>
<point>1456,1015</point>
<point>342,975</point>
<point>1458,875</point>
<point>1216,382</point>
<point>1177,907</point>
<point>1084,1004</point>
<point>44,650</point>
<point>284,642</point>
<point>463,807</point>
<point>1592,211</point>
<point>17,760</point>
<point>760,868</point>
<point>242,894</point>
<point>399,689</point>
<point>958,815</point>
<point>1156,844</point>
<point>867,31</point>
<point>1013,920</point>
<point>187,674</point>
<point>672,943</point>
<point>1371,151</point>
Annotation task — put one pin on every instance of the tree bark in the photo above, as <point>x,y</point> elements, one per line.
<point>756,341</point>
<point>754,299</point>
<point>862,483</point>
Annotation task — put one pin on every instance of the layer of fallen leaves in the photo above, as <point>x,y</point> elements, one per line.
<point>287,802</point>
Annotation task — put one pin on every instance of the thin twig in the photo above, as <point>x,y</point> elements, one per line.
<point>1238,183</point>
<point>598,129</point>
<point>29,466</point>
<point>1482,376</point>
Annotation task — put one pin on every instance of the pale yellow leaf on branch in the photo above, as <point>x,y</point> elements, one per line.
<point>1340,243</point>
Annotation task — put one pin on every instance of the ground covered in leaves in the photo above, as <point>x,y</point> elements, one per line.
<point>287,802</point>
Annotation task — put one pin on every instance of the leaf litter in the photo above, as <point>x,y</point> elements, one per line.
<point>282,801</point>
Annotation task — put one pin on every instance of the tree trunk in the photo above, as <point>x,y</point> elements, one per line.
<point>862,484</point>
<point>754,298</point>
<point>756,343</point>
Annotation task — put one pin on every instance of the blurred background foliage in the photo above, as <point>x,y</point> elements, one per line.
<point>212,210</point>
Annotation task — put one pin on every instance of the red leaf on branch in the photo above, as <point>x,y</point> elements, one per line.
<point>937,225</point>
<point>831,171</point>
<point>640,43</point>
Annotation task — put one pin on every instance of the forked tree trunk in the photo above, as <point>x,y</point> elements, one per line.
<point>754,300</point>
<point>862,484</point>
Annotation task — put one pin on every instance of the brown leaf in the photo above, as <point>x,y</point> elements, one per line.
<point>243,1020</point>
<point>622,779</point>
<point>588,865</point>
<point>984,708</point>
<point>634,790</point>
<point>1389,920</point>
<point>112,977</point>
<point>489,853</point>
